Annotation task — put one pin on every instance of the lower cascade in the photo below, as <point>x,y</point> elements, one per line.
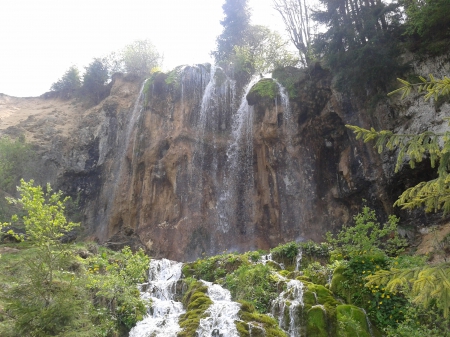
<point>287,307</point>
<point>160,291</point>
<point>222,314</point>
<point>298,307</point>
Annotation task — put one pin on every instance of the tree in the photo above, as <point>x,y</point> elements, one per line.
<point>368,236</point>
<point>235,26</point>
<point>67,84</point>
<point>433,195</point>
<point>359,33</point>
<point>297,21</point>
<point>428,283</point>
<point>94,80</point>
<point>45,302</point>
<point>140,57</point>
<point>114,281</point>
<point>262,52</point>
<point>427,25</point>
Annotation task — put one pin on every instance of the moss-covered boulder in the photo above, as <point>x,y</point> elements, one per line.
<point>255,324</point>
<point>196,303</point>
<point>351,321</point>
<point>266,88</point>
<point>317,322</point>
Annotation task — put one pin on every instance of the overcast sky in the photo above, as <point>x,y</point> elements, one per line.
<point>41,39</point>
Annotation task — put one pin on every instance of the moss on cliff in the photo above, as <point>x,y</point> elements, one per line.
<point>196,303</point>
<point>265,88</point>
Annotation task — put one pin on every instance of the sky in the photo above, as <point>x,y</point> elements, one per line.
<point>41,39</point>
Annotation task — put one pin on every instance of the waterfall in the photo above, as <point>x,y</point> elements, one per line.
<point>116,171</point>
<point>222,314</point>
<point>235,202</point>
<point>293,188</point>
<point>289,304</point>
<point>218,96</point>
<point>164,310</point>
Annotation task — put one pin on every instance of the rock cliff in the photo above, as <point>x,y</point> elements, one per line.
<point>191,164</point>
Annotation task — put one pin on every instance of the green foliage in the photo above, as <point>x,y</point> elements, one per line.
<point>94,80</point>
<point>140,57</point>
<point>262,51</point>
<point>383,306</point>
<point>113,280</point>
<point>351,322</point>
<point>253,283</point>
<point>68,83</point>
<point>50,294</point>
<point>289,77</point>
<point>214,268</point>
<point>422,284</point>
<point>265,88</point>
<point>315,250</point>
<point>427,25</point>
<point>45,222</point>
<point>433,195</point>
<point>367,236</point>
<point>235,26</point>
<point>359,33</point>
<point>419,322</point>
<point>317,273</point>
<point>46,301</point>
<point>17,159</point>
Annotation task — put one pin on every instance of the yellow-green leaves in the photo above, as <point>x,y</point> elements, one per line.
<point>433,195</point>
<point>45,222</point>
<point>433,87</point>
<point>422,284</point>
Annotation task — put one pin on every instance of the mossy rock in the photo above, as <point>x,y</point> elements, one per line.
<point>317,322</point>
<point>351,321</point>
<point>265,88</point>
<point>256,323</point>
<point>338,283</point>
<point>197,302</point>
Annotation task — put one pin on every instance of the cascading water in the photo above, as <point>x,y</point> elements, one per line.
<point>164,311</point>
<point>235,202</point>
<point>222,314</point>
<point>122,148</point>
<point>287,308</point>
<point>293,190</point>
<point>218,96</point>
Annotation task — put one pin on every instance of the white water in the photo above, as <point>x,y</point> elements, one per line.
<point>164,311</point>
<point>122,149</point>
<point>222,314</point>
<point>290,300</point>
<point>234,204</point>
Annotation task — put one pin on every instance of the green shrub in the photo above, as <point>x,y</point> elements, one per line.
<point>253,283</point>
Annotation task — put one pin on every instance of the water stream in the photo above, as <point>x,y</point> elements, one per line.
<point>235,202</point>
<point>221,314</point>
<point>164,311</point>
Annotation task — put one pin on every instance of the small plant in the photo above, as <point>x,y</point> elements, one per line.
<point>367,236</point>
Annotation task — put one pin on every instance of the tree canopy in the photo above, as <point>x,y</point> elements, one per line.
<point>235,27</point>
<point>68,83</point>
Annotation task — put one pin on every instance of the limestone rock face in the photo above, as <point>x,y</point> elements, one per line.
<point>185,166</point>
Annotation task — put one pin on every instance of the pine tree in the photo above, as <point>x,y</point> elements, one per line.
<point>433,195</point>
<point>235,27</point>
<point>360,32</point>
<point>421,284</point>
